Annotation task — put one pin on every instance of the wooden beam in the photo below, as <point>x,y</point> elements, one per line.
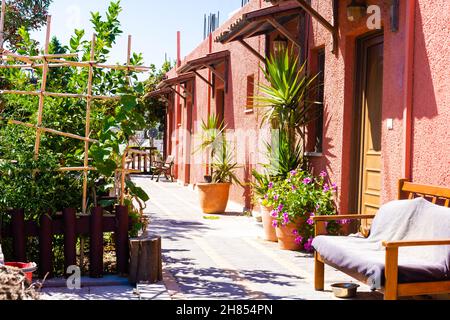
<point>204,79</point>
<point>179,94</point>
<point>316,15</point>
<point>253,51</point>
<point>214,71</point>
<point>307,7</point>
<point>284,31</point>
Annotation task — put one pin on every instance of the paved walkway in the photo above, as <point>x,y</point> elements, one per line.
<point>223,256</point>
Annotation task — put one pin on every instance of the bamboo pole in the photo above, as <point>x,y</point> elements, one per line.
<point>77,169</point>
<point>43,87</point>
<point>88,124</point>
<point>59,95</point>
<point>122,178</point>
<point>53,131</point>
<point>123,171</point>
<point>2,25</point>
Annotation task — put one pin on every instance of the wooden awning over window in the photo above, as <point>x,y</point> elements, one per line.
<point>210,61</point>
<point>158,93</point>
<point>180,80</point>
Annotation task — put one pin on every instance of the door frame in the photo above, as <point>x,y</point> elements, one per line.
<point>362,42</point>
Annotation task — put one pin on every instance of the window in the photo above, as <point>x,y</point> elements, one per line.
<point>250,93</point>
<point>320,98</point>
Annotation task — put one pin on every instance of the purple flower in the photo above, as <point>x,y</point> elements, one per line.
<point>289,180</point>
<point>318,207</point>
<point>344,221</point>
<point>280,207</point>
<point>293,173</point>
<point>295,232</point>
<point>323,174</point>
<point>270,186</point>
<point>310,221</point>
<point>285,218</point>
<point>307,181</point>
<point>334,186</point>
<point>276,197</point>
<point>294,188</point>
<point>266,197</point>
<point>274,213</point>
<point>326,187</point>
<point>308,245</point>
<point>275,223</point>
<point>298,240</point>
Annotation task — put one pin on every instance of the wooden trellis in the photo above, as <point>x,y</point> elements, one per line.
<point>47,61</point>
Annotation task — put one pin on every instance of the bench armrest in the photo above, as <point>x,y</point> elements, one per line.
<point>416,243</point>
<point>343,217</point>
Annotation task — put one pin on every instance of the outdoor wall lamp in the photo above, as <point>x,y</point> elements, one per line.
<point>279,44</point>
<point>356,10</point>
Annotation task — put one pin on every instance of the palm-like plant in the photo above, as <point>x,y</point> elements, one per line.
<point>212,136</point>
<point>224,166</point>
<point>283,156</point>
<point>286,99</point>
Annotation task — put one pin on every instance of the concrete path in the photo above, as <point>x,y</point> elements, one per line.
<point>106,288</point>
<point>223,256</point>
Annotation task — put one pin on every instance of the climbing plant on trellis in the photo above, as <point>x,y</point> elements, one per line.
<point>47,61</point>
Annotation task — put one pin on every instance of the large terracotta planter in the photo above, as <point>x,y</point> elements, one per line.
<point>267,221</point>
<point>213,197</point>
<point>286,237</point>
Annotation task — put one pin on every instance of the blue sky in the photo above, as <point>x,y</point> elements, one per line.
<point>152,23</point>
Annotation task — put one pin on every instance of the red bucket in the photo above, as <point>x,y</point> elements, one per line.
<point>27,268</point>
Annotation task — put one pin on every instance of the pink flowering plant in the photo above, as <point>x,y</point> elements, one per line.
<point>299,198</point>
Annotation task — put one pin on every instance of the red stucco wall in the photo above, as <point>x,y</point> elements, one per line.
<point>431,110</point>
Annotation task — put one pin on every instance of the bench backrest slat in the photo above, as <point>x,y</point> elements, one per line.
<point>409,190</point>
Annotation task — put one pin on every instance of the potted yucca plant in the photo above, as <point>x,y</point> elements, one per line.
<point>214,193</point>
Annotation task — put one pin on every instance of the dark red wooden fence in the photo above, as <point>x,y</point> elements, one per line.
<point>71,225</point>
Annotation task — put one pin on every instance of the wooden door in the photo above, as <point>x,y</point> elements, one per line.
<point>371,97</point>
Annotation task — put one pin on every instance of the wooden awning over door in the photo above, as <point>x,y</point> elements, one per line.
<point>273,18</point>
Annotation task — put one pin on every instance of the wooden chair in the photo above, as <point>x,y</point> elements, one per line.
<point>392,289</point>
<point>163,168</point>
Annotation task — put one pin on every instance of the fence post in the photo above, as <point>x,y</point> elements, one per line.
<point>70,238</point>
<point>96,243</point>
<point>145,163</point>
<point>45,246</point>
<point>122,239</point>
<point>18,234</point>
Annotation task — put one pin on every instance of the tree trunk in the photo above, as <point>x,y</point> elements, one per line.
<point>145,260</point>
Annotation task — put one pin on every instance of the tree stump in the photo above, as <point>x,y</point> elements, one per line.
<point>145,259</point>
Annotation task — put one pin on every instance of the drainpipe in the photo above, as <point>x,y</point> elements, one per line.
<point>409,88</point>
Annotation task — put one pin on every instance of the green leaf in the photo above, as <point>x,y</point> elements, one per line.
<point>137,191</point>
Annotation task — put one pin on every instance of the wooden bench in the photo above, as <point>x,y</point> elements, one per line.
<point>392,289</point>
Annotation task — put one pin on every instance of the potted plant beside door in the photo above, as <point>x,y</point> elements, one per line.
<point>214,193</point>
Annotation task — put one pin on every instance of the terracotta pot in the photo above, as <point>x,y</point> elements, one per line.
<point>267,221</point>
<point>286,237</point>
<point>213,197</point>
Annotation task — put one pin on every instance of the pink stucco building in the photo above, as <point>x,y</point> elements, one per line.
<point>386,94</point>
